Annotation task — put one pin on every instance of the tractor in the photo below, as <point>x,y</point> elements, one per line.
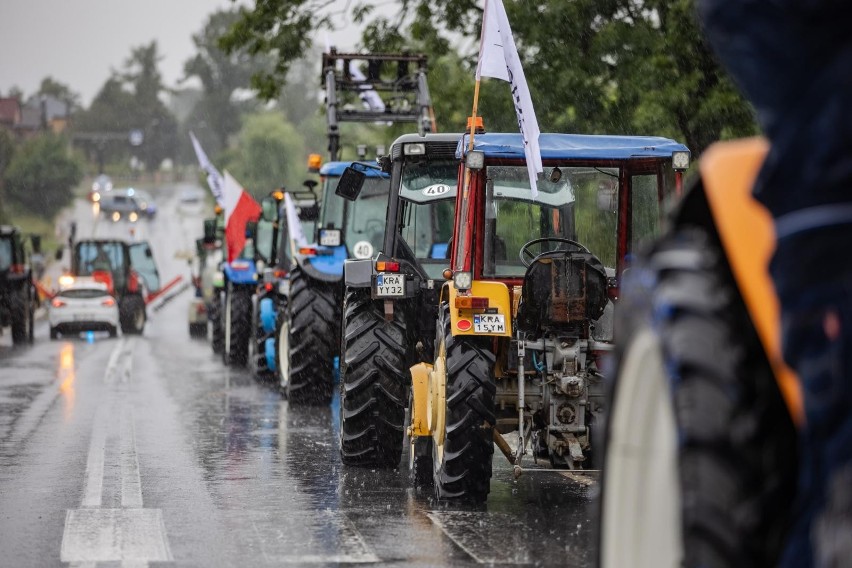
<point>526,315</point>
<point>390,299</point>
<point>700,460</point>
<point>128,270</point>
<point>309,336</point>
<point>275,243</point>
<point>18,295</point>
<point>207,279</point>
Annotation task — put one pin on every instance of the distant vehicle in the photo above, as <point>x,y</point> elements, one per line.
<point>17,293</point>
<point>191,200</point>
<point>82,304</point>
<point>145,200</point>
<point>102,184</point>
<point>123,204</point>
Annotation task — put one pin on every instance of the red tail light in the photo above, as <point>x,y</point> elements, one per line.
<point>17,269</point>
<point>108,302</point>
<point>471,302</point>
<point>383,266</point>
<point>268,286</point>
<point>308,251</point>
<point>57,303</point>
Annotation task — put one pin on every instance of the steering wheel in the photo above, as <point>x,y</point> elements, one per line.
<point>527,257</point>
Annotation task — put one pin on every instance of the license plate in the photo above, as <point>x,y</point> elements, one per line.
<point>389,285</point>
<point>83,317</point>
<point>489,323</point>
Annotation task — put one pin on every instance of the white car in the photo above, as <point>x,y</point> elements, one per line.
<point>82,305</point>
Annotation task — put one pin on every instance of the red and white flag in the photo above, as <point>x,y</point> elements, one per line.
<point>239,208</point>
<point>498,58</point>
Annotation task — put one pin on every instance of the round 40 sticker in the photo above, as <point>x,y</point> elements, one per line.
<point>362,249</point>
<point>436,189</point>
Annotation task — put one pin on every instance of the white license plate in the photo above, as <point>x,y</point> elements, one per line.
<point>83,317</point>
<point>489,323</point>
<point>389,285</point>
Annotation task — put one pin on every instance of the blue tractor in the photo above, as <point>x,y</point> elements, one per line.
<point>309,336</point>
<point>276,241</point>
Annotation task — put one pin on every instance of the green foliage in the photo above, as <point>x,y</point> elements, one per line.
<point>51,87</point>
<point>42,174</point>
<point>279,27</point>
<point>269,152</point>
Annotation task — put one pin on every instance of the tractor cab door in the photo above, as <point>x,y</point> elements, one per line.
<point>142,261</point>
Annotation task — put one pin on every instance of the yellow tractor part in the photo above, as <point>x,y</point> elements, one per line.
<point>462,318</point>
<point>419,396</point>
<point>728,171</point>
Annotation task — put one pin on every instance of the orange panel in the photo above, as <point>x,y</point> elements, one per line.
<point>728,170</point>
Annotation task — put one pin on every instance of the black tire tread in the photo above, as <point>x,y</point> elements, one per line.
<point>468,446</point>
<point>373,383</point>
<point>240,328</point>
<point>314,313</point>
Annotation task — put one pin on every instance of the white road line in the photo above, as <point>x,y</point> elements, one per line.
<point>131,482</point>
<point>94,480</point>
<point>112,364</point>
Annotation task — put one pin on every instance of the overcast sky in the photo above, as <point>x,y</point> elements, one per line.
<point>78,42</point>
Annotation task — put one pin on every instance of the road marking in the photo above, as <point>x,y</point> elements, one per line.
<point>131,535</point>
<point>469,530</point>
<point>131,481</point>
<point>110,535</point>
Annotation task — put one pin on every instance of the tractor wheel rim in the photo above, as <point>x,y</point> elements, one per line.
<point>436,412</point>
<point>284,353</point>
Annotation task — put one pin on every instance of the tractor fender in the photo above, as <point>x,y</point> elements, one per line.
<point>420,375</point>
<point>326,270</point>
<point>240,271</point>
<point>723,203</point>
<point>358,273</point>
<point>267,315</point>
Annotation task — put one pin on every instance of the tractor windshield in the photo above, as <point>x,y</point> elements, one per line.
<point>105,256</point>
<point>428,193</point>
<point>364,224</point>
<point>577,203</point>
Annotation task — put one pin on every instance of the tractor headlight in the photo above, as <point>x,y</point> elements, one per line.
<point>417,149</point>
<point>462,280</point>
<point>475,160</point>
<point>680,160</point>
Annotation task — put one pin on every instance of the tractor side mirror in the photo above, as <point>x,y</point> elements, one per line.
<point>209,231</point>
<point>350,183</point>
<point>58,255</point>
<point>36,242</point>
<point>309,213</point>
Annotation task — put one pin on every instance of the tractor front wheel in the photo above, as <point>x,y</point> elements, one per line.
<point>313,335</point>
<point>373,382</point>
<point>462,439</point>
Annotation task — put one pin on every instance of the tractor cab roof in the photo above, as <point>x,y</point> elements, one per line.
<point>573,146</point>
<point>335,169</point>
<point>6,230</point>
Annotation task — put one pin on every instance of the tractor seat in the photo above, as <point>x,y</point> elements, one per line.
<point>563,291</point>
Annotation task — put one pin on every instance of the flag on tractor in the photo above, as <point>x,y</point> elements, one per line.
<point>498,58</point>
<point>239,208</point>
<point>214,178</point>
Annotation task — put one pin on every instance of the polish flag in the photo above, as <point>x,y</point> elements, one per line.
<point>239,208</point>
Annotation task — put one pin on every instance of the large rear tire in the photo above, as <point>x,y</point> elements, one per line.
<point>728,444</point>
<point>313,339</point>
<point>373,382</point>
<point>131,314</point>
<point>237,326</point>
<point>462,452</point>
<point>214,317</point>
<point>21,311</point>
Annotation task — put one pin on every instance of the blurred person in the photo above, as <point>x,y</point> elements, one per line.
<point>793,61</point>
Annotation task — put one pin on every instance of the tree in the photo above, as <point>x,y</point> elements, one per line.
<point>42,174</point>
<point>216,116</point>
<point>53,88</point>
<point>7,152</point>
<point>130,100</point>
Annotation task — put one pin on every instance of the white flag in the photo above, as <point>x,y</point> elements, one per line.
<point>294,225</point>
<point>214,178</point>
<point>498,58</point>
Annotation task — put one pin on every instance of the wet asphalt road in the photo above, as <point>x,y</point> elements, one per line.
<point>148,451</point>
